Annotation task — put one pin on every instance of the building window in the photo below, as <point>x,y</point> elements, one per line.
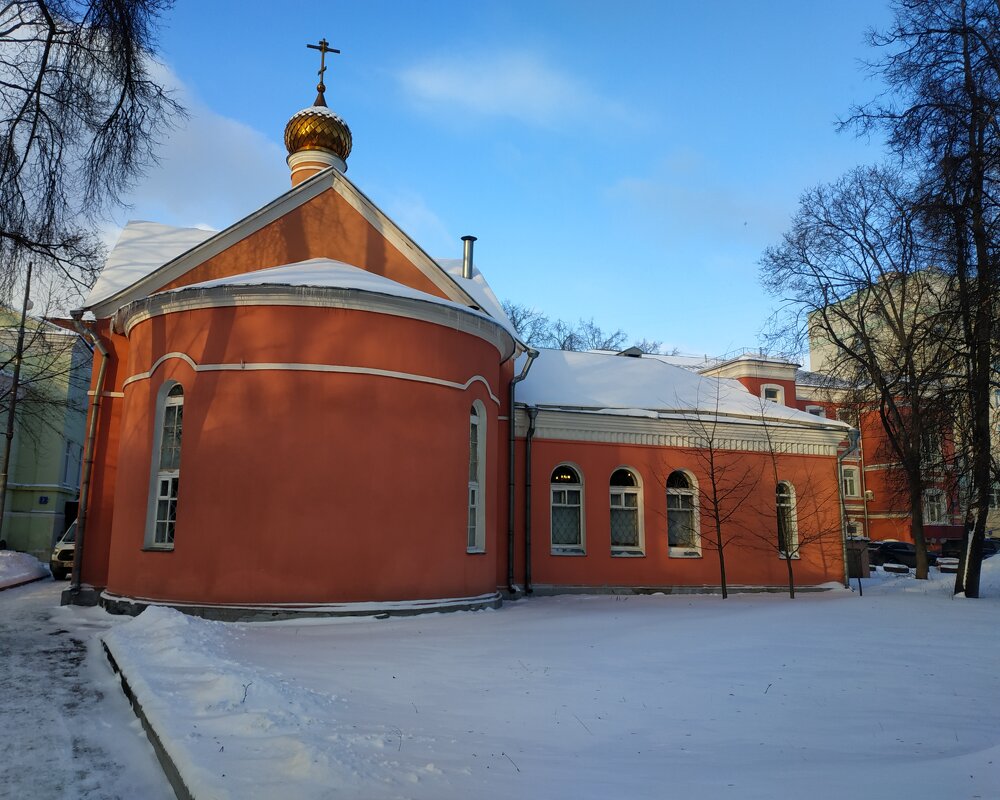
<point>567,511</point>
<point>995,496</point>
<point>773,393</point>
<point>476,542</point>
<point>682,515</point>
<point>816,411</point>
<point>850,480</point>
<point>930,448</point>
<point>848,415</point>
<point>788,535</point>
<point>167,467</point>
<point>71,465</point>
<point>935,509</point>
<point>626,519</point>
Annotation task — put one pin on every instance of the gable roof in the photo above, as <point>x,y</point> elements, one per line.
<point>118,292</point>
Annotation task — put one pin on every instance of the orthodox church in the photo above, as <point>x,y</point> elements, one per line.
<point>306,411</point>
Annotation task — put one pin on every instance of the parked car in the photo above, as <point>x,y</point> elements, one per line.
<point>954,548</point>
<point>61,561</point>
<point>892,552</point>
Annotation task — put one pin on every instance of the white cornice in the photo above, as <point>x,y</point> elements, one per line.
<point>684,433</point>
<point>289,201</point>
<point>476,323</point>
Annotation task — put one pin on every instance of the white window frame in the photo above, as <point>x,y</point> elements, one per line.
<point>639,549</point>
<point>476,517</point>
<point>151,541</point>
<point>779,389</point>
<point>685,552</point>
<point>566,549</point>
<point>793,520</point>
<point>816,411</point>
<point>854,475</point>
<point>71,465</point>
<point>995,496</point>
<point>935,513</point>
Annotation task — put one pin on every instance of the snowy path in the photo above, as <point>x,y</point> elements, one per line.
<point>66,730</point>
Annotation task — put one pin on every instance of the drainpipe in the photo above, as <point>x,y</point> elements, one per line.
<point>532,414</point>
<point>853,438</point>
<point>88,446</point>
<point>532,355</point>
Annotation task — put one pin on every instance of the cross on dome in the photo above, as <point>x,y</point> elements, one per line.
<point>324,48</point>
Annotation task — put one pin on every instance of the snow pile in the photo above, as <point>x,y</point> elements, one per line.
<point>233,729</point>
<point>830,695</point>
<point>18,568</point>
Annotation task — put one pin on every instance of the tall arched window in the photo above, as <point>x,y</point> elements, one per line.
<point>626,519</point>
<point>788,536</point>
<point>682,515</point>
<point>476,542</point>
<point>567,511</point>
<point>166,476</point>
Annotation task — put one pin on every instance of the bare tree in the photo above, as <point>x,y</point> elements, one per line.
<point>941,62</point>
<point>852,276</point>
<point>728,477</point>
<point>801,510</point>
<point>79,114</point>
<point>535,328</point>
<point>529,323</point>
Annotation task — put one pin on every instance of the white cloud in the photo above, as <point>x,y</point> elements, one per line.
<point>684,195</point>
<point>518,84</point>
<point>212,170</point>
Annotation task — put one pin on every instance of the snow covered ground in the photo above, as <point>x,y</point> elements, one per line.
<point>66,730</point>
<point>16,568</point>
<point>894,694</point>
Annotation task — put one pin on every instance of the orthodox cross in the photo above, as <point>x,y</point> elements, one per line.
<point>324,48</point>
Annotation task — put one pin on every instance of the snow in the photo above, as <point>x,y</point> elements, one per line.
<point>68,732</point>
<point>478,289</point>
<point>18,568</point>
<point>831,695</point>
<point>330,274</point>
<point>142,248</point>
<point>597,381</point>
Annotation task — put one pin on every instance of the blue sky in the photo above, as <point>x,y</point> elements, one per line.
<point>627,162</point>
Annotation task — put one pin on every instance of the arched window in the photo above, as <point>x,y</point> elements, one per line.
<point>166,476</point>
<point>626,519</point>
<point>682,515</point>
<point>476,542</point>
<point>788,536</point>
<point>567,511</point>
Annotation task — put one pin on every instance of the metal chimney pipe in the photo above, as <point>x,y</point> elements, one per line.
<point>467,256</point>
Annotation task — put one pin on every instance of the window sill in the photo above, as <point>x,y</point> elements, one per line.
<point>568,551</point>
<point>628,554</point>
<point>683,552</point>
<point>475,551</point>
<point>783,556</point>
<point>158,548</point>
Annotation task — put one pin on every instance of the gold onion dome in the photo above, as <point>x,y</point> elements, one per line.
<point>318,128</point>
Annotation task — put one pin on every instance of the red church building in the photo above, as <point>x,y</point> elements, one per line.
<point>306,411</point>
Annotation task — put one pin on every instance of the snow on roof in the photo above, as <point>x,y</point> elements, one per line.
<point>142,248</point>
<point>617,384</point>
<point>479,290</point>
<point>329,274</point>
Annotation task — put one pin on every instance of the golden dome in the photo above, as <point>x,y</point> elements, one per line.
<point>318,128</point>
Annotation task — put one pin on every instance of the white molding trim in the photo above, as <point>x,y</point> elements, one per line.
<point>91,393</point>
<point>459,318</point>
<point>299,195</point>
<point>576,426</point>
<point>303,367</point>
<point>315,160</point>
